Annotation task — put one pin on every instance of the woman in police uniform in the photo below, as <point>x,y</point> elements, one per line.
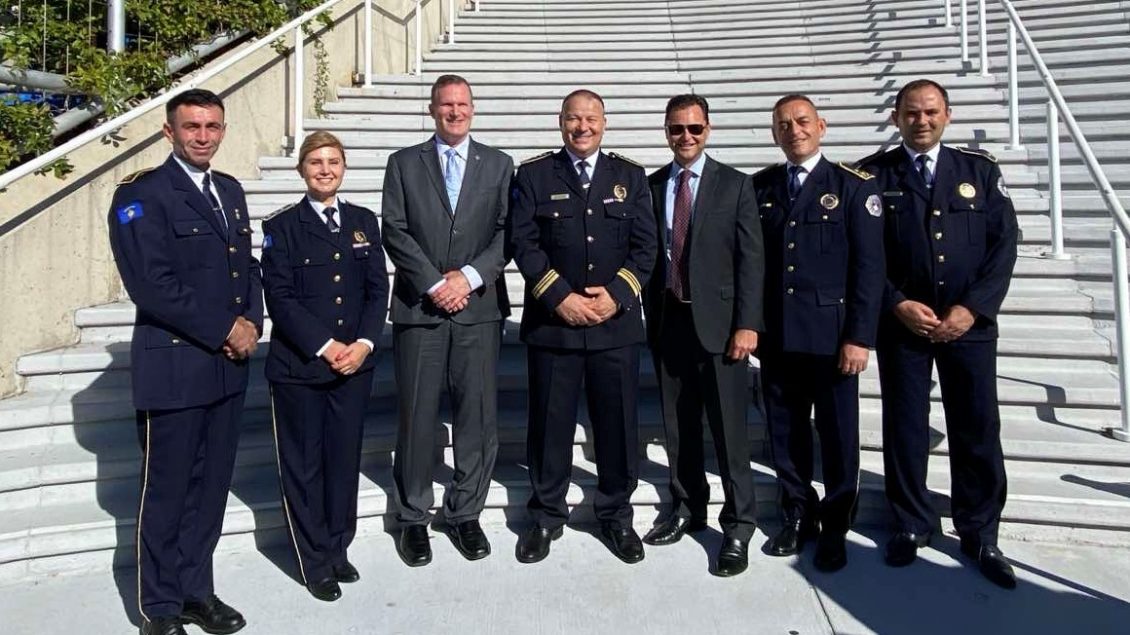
<point>326,289</point>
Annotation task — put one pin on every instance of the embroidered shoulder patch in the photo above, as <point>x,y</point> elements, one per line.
<point>129,213</point>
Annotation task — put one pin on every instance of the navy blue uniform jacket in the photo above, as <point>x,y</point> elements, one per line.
<point>823,259</point>
<point>190,278</point>
<point>952,244</point>
<point>320,285</point>
<point>564,238</point>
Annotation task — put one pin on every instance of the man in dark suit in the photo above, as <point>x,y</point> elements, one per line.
<point>326,287</point>
<point>703,307</point>
<point>444,207</point>
<point>951,237</point>
<point>823,286</point>
<point>181,237</point>
<point>583,236</point>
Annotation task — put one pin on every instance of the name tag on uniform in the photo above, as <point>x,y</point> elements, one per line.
<point>610,200</point>
<point>892,193</point>
<point>559,197</point>
<point>360,245</point>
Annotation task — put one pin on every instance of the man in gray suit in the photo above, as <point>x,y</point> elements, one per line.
<point>444,207</point>
<point>703,307</point>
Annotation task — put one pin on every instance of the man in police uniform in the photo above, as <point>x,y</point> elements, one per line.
<point>951,243</point>
<point>823,287</point>
<point>181,237</point>
<point>703,309</point>
<point>583,236</point>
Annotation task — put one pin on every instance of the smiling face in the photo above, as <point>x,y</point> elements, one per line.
<point>452,109</point>
<point>196,133</point>
<point>922,117</point>
<point>582,125</point>
<point>681,138</point>
<point>323,169</point>
<point>798,130</point>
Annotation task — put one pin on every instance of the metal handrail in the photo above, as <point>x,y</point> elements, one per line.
<point>192,81</point>
<point>1057,107</point>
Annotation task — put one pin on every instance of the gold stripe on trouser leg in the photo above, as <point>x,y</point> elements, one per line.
<point>282,489</point>
<point>140,512</point>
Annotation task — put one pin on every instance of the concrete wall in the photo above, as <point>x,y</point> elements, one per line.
<point>54,252</point>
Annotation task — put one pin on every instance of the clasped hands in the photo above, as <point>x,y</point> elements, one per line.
<point>592,307</point>
<point>452,296</point>
<point>922,321</point>
<point>345,359</point>
<point>242,340</point>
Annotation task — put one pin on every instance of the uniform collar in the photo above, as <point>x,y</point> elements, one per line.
<point>194,173</point>
<point>932,153</point>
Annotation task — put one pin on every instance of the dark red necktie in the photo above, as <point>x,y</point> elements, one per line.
<point>677,279</point>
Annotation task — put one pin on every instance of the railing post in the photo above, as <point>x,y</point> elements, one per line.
<point>1055,211</point>
<point>983,36</point>
<point>299,97</point>
<point>1122,327</point>
<point>116,26</point>
<point>419,36</point>
<point>949,14</point>
<point>479,5</point>
<point>451,21</point>
<point>1013,92</point>
<point>964,32</point>
<point>368,43</point>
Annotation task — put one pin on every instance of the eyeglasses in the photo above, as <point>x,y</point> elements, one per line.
<point>677,129</point>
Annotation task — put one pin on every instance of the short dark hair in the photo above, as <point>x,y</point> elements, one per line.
<point>581,92</point>
<point>688,100</point>
<point>793,97</point>
<point>919,84</point>
<point>448,80</point>
<point>192,97</point>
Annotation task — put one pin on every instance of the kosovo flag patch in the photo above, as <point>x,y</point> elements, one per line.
<point>130,213</point>
<point>268,241</point>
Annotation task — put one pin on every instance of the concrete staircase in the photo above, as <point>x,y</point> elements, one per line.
<point>69,461</point>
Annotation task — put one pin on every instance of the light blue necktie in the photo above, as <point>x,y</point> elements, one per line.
<point>453,178</point>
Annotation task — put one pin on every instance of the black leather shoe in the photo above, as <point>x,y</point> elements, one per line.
<point>792,536</point>
<point>533,546</point>
<point>162,626</point>
<point>346,572</point>
<point>831,552</point>
<point>326,589</point>
<point>903,548</point>
<point>733,557</point>
<point>994,566</point>
<point>212,616</point>
<point>414,546</point>
<point>470,540</point>
<point>624,542</point>
<point>671,530</point>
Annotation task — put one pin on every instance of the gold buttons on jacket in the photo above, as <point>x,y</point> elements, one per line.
<point>589,238</point>
<point>337,256</point>
<point>235,274</point>
<point>337,277</point>
<point>338,300</point>
<point>232,249</point>
<point>937,235</point>
<point>790,268</point>
<point>941,257</point>
<point>792,245</point>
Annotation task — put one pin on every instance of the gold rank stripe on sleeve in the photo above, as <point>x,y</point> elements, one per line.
<point>537,157</point>
<point>546,281</point>
<point>631,279</point>
<point>866,176</point>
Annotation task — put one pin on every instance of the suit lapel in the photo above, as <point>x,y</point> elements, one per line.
<point>567,174</point>
<point>193,197</point>
<point>707,185</point>
<point>435,175</point>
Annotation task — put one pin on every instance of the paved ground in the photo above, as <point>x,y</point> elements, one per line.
<point>581,588</point>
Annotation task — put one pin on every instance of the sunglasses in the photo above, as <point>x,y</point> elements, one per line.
<point>677,129</point>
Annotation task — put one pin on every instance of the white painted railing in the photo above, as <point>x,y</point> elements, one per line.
<point>1057,108</point>
<point>294,28</point>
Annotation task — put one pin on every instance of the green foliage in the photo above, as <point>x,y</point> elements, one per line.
<point>60,36</point>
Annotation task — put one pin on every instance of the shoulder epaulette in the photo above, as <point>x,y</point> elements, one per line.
<point>624,158</point>
<point>279,211</point>
<point>130,178</point>
<point>224,174</point>
<point>766,169</point>
<point>538,157</point>
<point>866,176</point>
<point>984,154</point>
<point>874,155</point>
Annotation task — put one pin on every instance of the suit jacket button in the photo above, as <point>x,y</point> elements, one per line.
<point>792,223</point>
<point>789,291</point>
<point>790,268</point>
<point>937,235</point>
<point>792,245</point>
<point>937,212</point>
<point>232,249</point>
<point>337,300</point>
<point>337,277</point>
<point>591,266</point>
<point>589,238</point>
<point>941,257</point>
<point>337,256</point>
<point>238,300</point>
